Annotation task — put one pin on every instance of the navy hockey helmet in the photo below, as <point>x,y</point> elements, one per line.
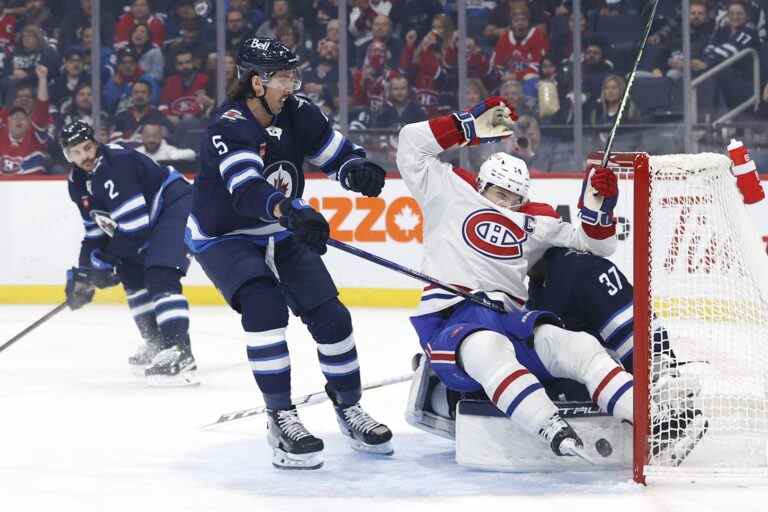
<point>264,56</point>
<point>74,133</point>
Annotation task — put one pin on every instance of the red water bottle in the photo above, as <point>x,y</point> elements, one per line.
<point>745,170</point>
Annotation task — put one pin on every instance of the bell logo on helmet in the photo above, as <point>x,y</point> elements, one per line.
<point>260,44</point>
<point>494,235</point>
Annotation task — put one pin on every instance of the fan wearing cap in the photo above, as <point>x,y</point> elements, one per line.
<point>134,212</point>
<point>260,243</point>
<point>117,90</point>
<point>482,234</point>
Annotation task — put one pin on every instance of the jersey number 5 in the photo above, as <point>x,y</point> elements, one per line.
<point>219,144</point>
<point>605,278</point>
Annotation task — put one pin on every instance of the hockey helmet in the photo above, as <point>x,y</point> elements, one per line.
<point>76,132</point>
<point>507,172</point>
<point>265,56</point>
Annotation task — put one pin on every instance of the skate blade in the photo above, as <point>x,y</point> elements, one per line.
<point>378,449</point>
<point>183,379</point>
<point>296,461</point>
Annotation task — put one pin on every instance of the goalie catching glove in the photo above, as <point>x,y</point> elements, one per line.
<point>489,121</point>
<point>596,209</point>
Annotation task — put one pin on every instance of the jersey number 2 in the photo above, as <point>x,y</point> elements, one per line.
<point>110,186</point>
<point>605,278</point>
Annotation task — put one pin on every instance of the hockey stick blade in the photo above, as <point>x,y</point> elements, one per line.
<point>310,399</point>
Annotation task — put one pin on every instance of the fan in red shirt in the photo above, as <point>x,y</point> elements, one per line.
<point>140,12</point>
<point>372,80</point>
<point>520,49</point>
<point>7,27</point>
<point>183,91</point>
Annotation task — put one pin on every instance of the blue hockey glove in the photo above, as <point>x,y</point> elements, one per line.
<point>308,226</point>
<point>599,195</point>
<point>102,272</point>
<point>360,175</point>
<point>79,290</point>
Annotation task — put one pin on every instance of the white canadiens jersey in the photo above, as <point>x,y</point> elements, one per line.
<point>468,240</point>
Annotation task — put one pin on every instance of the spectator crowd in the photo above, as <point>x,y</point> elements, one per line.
<point>157,64</point>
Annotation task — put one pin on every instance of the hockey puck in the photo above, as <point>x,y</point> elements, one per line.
<point>603,447</point>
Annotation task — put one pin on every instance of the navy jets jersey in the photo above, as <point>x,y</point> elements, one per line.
<point>247,169</point>
<point>127,185</point>
<point>589,293</point>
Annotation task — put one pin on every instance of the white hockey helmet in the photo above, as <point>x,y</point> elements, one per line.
<point>505,171</point>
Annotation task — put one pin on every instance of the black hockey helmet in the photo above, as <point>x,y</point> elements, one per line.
<point>76,132</point>
<point>264,56</point>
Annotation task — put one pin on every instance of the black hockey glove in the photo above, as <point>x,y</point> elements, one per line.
<point>79,289</point>
<point>360,175</point>
<point>308,226</point>
<point>102,272</point>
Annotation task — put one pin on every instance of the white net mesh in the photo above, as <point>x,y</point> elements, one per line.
<point>706,289</point>
<point>709,302</point>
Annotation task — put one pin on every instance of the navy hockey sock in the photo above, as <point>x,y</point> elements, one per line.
<point>143,313</point>
<point>264,319</point>
<point>331,326</point>
<point>170,306</point>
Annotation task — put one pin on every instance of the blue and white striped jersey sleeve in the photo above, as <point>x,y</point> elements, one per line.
<point>240,168</point>
<point>327,147</point>
<point>132,215</point>
<point>94,237</point>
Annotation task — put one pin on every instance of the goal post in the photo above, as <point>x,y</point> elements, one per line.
<point>699,276</point>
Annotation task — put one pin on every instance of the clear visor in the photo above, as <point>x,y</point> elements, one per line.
<point>288,80</point>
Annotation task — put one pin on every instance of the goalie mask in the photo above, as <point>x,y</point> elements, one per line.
<point>508,173</point>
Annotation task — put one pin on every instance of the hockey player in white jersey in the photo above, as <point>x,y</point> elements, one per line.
<point>483,235</point>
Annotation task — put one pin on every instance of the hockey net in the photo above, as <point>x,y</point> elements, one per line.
<point>700,278</point>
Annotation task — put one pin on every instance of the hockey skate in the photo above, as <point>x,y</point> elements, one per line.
<point>363,432</point>
<point>676,434</point>
<point>293,447</point>
<point>143,357</point>
<point>562,439</point>
<point>174,366</point>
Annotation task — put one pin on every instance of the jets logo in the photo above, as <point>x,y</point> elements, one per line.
<point>274,131</point>
<point>282,175</point>
<point>494,235</point>
<point>232,115</point>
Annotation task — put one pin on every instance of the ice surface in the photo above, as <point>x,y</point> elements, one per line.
<point>79,432</point>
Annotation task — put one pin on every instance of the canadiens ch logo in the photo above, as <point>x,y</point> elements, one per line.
<point>282,175</point>
<point>494,235</point>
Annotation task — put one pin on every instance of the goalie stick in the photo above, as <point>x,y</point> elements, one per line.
<point>34,325</point>
<point>310,399</point>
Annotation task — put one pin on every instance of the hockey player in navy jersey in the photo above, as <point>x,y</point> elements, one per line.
<point>134,212</point>
<point>260,243</point>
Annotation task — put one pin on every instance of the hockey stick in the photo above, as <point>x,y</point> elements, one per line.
<point>415,274</point>
<point>630,81</point>
<point>37,323</point>
<point>310,399</point>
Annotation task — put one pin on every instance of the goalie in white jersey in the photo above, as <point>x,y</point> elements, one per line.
<point>483,235</point>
